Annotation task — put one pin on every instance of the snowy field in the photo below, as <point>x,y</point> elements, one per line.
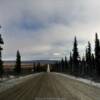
<point>6,83</point>
<point>90,82</point>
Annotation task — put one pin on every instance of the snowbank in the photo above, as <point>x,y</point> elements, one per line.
<point>90,82</point>
<point>5,84</point>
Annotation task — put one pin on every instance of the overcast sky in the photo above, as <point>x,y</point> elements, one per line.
<point>45,29</point>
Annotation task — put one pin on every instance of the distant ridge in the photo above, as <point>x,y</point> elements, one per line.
<point>32,61</point>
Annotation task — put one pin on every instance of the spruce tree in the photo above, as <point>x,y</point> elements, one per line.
<point>1,62</point>
<point>62,65</point>
<point>18,63</point>
<point>70,64</point>
<point>93,69</point>
<point>86,67</point>
<point>66,64</point>
<point>33,69</point>
<point>89,50</point>
<point>83,65</point>
<point>75,58</point>
<point>38,67</point>
<point>88,59</point>
<point>97,55</point>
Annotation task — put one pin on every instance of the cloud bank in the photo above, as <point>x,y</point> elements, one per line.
<point>45,29</point>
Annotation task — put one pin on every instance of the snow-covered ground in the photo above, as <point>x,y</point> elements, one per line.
<point>6,83</point>
<point>90,82</point>
<point>48,68</point>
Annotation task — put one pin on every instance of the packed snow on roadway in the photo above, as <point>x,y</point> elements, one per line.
<point>6,83</point>
<point>90,82</point>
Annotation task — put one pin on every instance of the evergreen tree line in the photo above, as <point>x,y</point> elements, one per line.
<point>86,66</point>
<point>37,67</point>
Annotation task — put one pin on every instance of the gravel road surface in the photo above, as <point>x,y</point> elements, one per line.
<point>51,86</point>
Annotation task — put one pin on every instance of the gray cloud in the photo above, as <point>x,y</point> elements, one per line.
<point>40,28</point>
